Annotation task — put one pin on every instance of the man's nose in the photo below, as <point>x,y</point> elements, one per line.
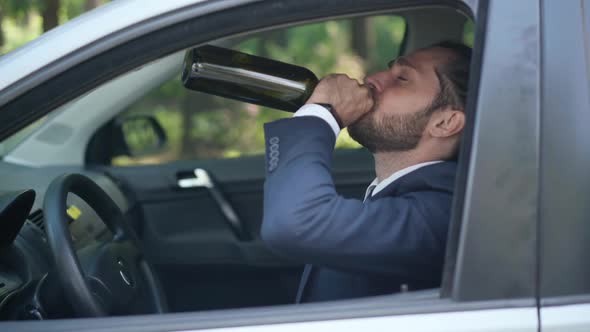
<point>375,80</point>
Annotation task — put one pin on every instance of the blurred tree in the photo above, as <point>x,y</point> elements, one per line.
<point>16,9</point>
<point>52,12</point>
<point>23,20</point>
<point>21,9</point>
<point>49,12</point>
<point>2,38</point>
<point>91,4</point>
<point>72,8</point>
<point>468,33</point>
<point>363,40</point>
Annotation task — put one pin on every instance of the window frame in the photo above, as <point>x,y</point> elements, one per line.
<point>564,194</point>
<point>498,189</point>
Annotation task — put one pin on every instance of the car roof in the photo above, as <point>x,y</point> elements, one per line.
<point>80,32</point>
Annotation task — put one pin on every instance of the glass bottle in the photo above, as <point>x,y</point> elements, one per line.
<point>249,78</point>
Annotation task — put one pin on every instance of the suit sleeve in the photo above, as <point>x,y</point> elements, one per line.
<point>305,219</point>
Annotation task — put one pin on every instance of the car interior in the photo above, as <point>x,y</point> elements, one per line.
<point>183,228</point>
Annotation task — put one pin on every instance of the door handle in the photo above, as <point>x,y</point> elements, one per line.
<point>202,179</point>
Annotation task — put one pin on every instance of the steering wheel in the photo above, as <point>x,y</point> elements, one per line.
<point>116,278</point>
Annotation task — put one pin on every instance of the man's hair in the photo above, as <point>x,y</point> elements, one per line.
<point>453,76</point>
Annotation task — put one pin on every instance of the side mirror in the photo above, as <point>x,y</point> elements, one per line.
<point>140,135</point>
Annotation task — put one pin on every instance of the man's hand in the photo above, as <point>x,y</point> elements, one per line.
<point>348,97</point>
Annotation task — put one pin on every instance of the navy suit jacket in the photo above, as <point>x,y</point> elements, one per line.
<point>392,240</point>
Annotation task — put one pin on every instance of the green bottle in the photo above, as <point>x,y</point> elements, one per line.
<point>252,79</point>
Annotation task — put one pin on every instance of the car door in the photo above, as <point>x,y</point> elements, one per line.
<point>489,282</point>
<point>203,237</point>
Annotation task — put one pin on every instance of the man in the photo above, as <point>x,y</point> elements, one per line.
<point>410,117</point>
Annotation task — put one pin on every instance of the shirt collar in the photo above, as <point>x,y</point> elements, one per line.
<point>386,182</point>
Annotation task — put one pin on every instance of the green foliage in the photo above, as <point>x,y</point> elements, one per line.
<point>469,33</point>
<point>17,34</point>
<point>71,8</point>
<point>21,9</point>
<point>18,9</point>
<point>22,22</point>
<point>389,31</point>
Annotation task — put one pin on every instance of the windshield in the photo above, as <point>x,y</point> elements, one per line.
<point>13,141</point>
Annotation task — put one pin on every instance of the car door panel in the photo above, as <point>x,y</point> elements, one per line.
<point>202,261</point>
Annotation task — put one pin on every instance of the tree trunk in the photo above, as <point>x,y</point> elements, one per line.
<point>2,38</point>
<point>49,14</point>
<point>187,147</point>
<point>362,37</point>
<point>91,4</point>
<point>272,37</point>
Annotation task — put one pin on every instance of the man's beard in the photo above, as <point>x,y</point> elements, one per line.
<point>395,132</point>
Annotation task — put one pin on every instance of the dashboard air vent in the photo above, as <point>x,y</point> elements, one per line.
<point>37,219</point>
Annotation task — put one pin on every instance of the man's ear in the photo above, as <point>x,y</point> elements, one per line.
<point>447,122</point>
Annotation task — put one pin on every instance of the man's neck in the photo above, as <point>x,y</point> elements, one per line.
<point>387,163</point>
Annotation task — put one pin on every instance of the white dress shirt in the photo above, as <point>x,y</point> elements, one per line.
<point>323,113</point>
<point>396,175</point>
<point>320,112</point>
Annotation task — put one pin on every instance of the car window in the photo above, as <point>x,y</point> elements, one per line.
<point>468,33</point>
<point>202,126</point>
